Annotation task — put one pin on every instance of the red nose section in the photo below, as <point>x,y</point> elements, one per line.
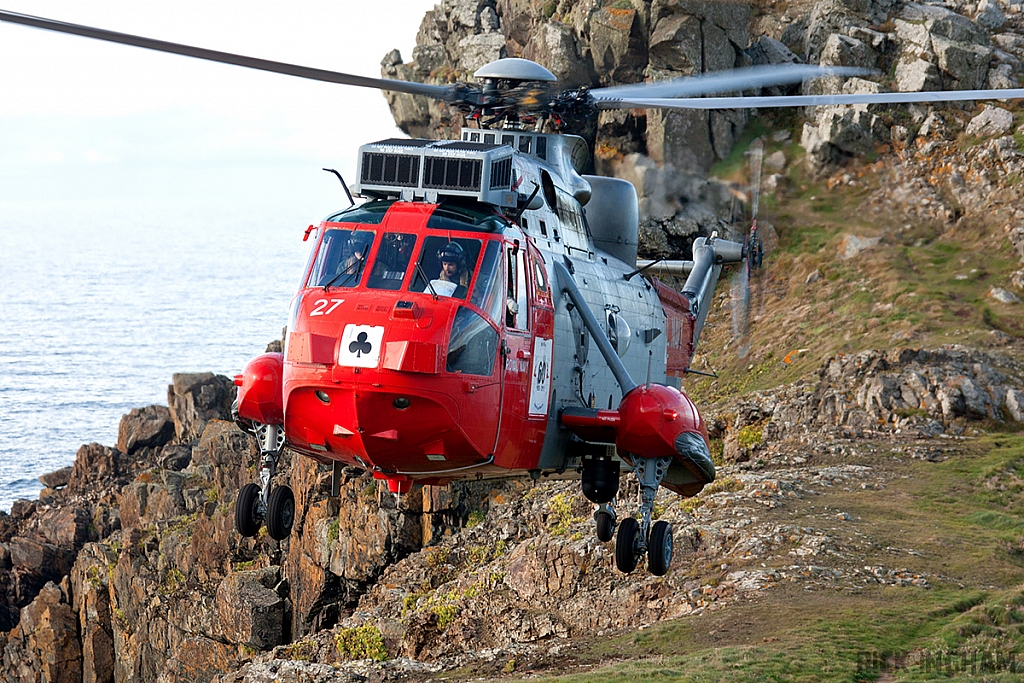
<point>259,389</point>
<point>650,419</point>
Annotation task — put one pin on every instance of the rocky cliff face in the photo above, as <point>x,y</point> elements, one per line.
<point>666,155</point>
<point>132,570</point>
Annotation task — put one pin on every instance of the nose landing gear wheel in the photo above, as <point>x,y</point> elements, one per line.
<point>605,526</point>
<point>247,517</point>
<point>280,513</point>
<point>625,545</point>
<point>659,552</point>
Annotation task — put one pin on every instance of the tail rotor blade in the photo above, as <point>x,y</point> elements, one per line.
<point>740,295</point>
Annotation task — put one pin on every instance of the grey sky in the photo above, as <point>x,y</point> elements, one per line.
<point>108,132</point>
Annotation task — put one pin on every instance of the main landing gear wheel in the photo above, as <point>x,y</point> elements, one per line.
<point>625,545</point>
<point>280,512</point>
<point>605,526</point>
<point>659,548</point>
<point>247,510</point>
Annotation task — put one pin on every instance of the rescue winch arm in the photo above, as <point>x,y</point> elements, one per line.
<point>567,284</point>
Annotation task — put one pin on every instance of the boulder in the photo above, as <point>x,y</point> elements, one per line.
<point>479,49</point>
<point>989,15</point>
<point>990,123</point>
<point>916,75</point>
<point>196,398</point>
<point>618,44</point>
<point>1000,77</point>
<point>775,161</point>
<point>840,50</point>
<point>175,457</point>
<point>42,559</point>
<point>249,609</point>
<point>554,46</point>
<point>676,44</point>
<point>966,63</point>
<point>1003,296</point>
<point>940,21</point>
<point>58,479</point>
<point>149,427</point>
<point>852,245</point>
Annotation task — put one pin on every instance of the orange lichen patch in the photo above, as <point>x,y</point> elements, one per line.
<point>606,152</point>
<point>619,19</point>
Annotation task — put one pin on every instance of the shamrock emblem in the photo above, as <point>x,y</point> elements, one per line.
<point>360,345</point>
<point>542,370</point>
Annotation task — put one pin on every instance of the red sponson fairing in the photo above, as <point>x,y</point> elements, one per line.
<point>259,389</point>
<point>647,423</point>
<point>652,417</point>
<point>406,417</point>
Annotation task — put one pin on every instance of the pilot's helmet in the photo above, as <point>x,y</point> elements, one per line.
<point>357,244</point>
<point>452,253</point>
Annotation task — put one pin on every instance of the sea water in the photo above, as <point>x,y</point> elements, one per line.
<point>96,316</point>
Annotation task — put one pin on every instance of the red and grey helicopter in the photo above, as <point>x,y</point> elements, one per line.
<point>481,313</point>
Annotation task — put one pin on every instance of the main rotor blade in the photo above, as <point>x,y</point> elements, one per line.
<point>734,80</point>
<point>816,100</point>
<point>437,91</point>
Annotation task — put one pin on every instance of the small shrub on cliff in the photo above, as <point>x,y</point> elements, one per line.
<point>749,436</point>
<point>727,485</point>
<point>174,581</point>
<point>476,518</point>
<point>301,651</point>
<point>561,514</point>
<point>690,504</point>
<point>361,642</point>
<point>445,614</point>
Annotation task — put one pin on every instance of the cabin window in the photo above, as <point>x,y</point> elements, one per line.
<point>488,288</point>
<point>570,215</point>
<point>392,261</point>
<point>447,265</point>
<point>540,276</point>
<point>515,295</point>
<point>509,140</point>
<point>542,147</point>
<point>472,344</point>
<point>525,143</point>
<point>341,258</point>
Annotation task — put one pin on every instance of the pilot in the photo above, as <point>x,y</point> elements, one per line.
<point>454,277</point>
<point>349,267</point>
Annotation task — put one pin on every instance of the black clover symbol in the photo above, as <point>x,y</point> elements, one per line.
<point>542,370</point>
<point>360,345</point>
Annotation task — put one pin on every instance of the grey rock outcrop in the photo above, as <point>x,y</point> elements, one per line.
<point>196,398</point>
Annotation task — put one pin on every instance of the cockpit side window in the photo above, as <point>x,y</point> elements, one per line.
<point>516,295</point>
<point>447,264</point>
<point>340,259</point>
<point>488,288</point>
<point>392,261</point>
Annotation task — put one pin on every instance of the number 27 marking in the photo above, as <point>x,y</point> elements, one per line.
<point>321,304</point>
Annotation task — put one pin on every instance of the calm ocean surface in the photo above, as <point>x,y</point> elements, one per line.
<point>94,320</point>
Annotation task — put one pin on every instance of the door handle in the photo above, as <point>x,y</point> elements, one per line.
<point>523,353</point>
